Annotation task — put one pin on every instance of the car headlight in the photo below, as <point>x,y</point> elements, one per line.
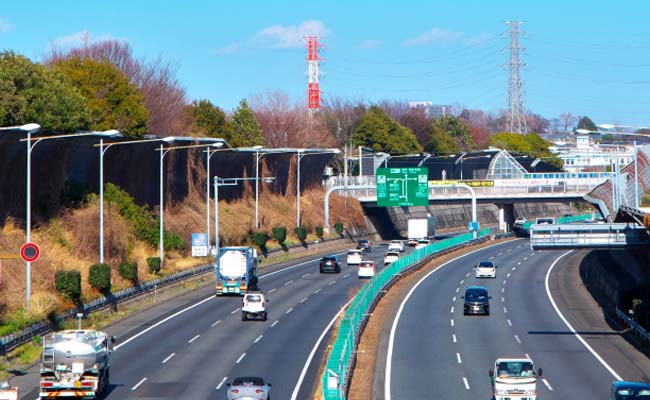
<point>501,392</point>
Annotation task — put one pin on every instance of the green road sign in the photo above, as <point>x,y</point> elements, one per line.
<point>398,187</point>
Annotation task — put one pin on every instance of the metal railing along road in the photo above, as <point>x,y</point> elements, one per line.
<point>563,220</point>
<point>636,328</point>
<point>342,355</point>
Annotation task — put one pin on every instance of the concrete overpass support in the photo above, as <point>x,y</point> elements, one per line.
<point>506,216</point>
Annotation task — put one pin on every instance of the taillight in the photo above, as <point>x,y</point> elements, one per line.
<point>235,391</point>
<point>47,384</point>
<point>87,383</point>
<point>258,390</point>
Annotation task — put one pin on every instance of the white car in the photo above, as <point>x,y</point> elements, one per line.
<point>366,269</point>
<point>422,243</point>
<point>486,269</point>
<point>391,257</point>
<point>354,257</point>
<point>254,306</point>
<point>396,245</point>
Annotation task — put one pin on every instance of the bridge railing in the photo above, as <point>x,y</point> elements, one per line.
<point>342,355</point>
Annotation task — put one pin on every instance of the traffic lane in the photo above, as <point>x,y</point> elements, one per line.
<point>430,307</point>
<point>569,368</point>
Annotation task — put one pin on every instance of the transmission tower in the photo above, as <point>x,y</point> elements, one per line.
<point>313,91</point>
<point>516,116</point>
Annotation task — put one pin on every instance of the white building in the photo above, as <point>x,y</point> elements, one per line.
<point>585,155</point>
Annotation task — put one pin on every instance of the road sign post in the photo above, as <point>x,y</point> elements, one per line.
<point>402,187</point>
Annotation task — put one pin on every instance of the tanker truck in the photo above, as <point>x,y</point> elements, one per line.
<point>75,363</point>
<point>236,269</point>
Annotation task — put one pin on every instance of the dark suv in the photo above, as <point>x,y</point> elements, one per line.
<point>364,245</point>
<point>330,264</point>
<point>477,300</point>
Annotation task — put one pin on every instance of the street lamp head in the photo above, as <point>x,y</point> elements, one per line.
<point>217,145</point>
<point>112,133</point>
<point>168,139</point>
<point>269,180</point>
<point>31,128</point>
<point>257,147</point>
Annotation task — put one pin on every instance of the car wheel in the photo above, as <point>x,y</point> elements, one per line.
<point>264,317</point>
<point>243,317</point>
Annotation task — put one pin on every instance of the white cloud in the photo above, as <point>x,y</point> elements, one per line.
<point>277,37</point>
<point>369,44</point>
<point>80,38</point>
<point>5,26</point>
<point>446,37</point>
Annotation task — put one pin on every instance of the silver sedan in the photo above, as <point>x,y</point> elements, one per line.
<point>249,388</point>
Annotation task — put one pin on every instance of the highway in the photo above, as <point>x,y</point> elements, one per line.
<point>194,349</point>
<point>435,351</point>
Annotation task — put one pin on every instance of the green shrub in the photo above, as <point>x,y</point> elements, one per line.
<point>279,234</point>
<point>99,276</point>
<point>301,233</point>
<point>154,265</point>
<point>338,227</point>
<point>319,231</point>
<point>129,270</point>
<point>68,283</point>
<point>173,241</point>
<point>260,238</point>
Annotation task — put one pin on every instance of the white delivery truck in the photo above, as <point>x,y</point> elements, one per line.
<point>236,270</point>
<point>421,228</point>
<point>514,379</point>
<point>7,392</point>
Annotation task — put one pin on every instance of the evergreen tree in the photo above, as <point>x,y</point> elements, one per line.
<point>246,131</point>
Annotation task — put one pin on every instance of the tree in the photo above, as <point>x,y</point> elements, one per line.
<point>209,120</point>
<point>586,123</point>
<point>566,122</point>
<point>381,133</point>
<point>457,130</point>
<point>530,144</point>
<point>30,92</point>
<point>246,130</point>
<point>114,102</point>
<point>418,122</point>
<point>441,142</point>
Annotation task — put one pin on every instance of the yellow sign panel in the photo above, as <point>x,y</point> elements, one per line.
<point>473,183</point>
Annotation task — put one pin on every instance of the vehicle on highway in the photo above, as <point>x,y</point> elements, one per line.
<point>545,221</point>
<point>396,245</point>
<point>354,257</point>
<point>514,379</point>
<point>366,269</point>
<point>520,221</point>
<point>234,270</point>
<point>411,242</point>
<point>7,392</point>
<point>364,246</point>
<point>254,306</point>
<point>249,388</point>
<point>75,363</point>
<point>485,269</point>
<point>330,264</point>
<point>477,300</point>
<point>422,243</point>
<point>391,257</point>
<point>626,390</point>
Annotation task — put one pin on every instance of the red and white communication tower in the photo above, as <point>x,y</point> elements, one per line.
<point>313,91</point>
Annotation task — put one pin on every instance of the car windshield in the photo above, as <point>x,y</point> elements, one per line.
<point>328,259</point>
<point>248,381</point>
<point>254,298</point>
<point>515,369</point>
<point>485,264</point>
<point>396,241</point>
<point>392,255</point>
<point>367,264</point>
<point>476,294</point>
<point>354,252</point>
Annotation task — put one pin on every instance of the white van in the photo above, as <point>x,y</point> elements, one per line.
<point>354,256</point>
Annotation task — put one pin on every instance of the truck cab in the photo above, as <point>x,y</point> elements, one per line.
<point>254,306</point>
<point>514,379</point>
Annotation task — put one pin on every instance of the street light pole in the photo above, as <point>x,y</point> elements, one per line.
<point>161,211</point>
<point>101,200</point>
<point>636,178</point>
<point>299,156</point>
<point>257,186</point>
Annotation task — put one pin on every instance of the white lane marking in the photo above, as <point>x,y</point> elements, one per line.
<point>519,263</point>
<point>176,314</point>
<point>452,322</point>
<point>527,356</point>
<point>509,322</point>
<point>505,281</point>
<point>222,382</point>
<point>503,299</point>
<point>258,338</point>
<point>517,339</point>
<point>274,323</point>
<point>453,337</point>
<point>454,298</point>
<point>303,373</point>
<point>240,358</point>
<point>532,254</point>
<point>466,383</point>
<point>519,246</point>
<point>346,275</point>
<point>491,258</point>
<point>194,338</point>
<point>467,274</point>
<point>525,258</point>
<point>303,300</point>
<point>289,310</point>
<point>457,290</point>
<point>503,289</point>
<point>169,357</point>
<point>288,283</point>
<point>548,385</point>
<point>306,275</point>
<point>272,290</point>
<point>505,310</point>
<point>391,339</point>
<point>499,254</point>
<point>559,313</point>
<point>331,283</point>
<point>508,251</point>
<point>137,385</point>
<point>508,276</point>
<point>235,310</point>
<point>317,291</point>
<point>514,268</point>
<point>216,323</point>
<point>452,309</point>
<point>458,358</point>
<point>462,281</point>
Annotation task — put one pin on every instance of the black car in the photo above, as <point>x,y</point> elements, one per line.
<point>364,245</point>
<point>330,264</point>
<point>477,300</point>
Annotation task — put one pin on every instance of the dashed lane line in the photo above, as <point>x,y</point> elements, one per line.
<point>221,382</point>
<point>548,385</point>
<point>194,338</point>
<point>216,323</point>
<point>460,361</point>
<point>274,323</point>
<point>169,357</point>
<point>240,358</point>
<point>258,338</point>
<point>517,339</point>
<point>466,383</point>
<point>272,290</point>
<point>137,385</point>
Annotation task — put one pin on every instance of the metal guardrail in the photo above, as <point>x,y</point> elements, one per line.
<point>342,355</point>
<point>562,220</point>
<point>636,328</point>
<point>10,342</point>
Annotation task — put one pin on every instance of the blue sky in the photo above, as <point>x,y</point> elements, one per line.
<point>584,57</point>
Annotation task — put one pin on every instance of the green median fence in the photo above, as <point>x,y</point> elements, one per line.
<point>337,369</point>
<point>563,220</point>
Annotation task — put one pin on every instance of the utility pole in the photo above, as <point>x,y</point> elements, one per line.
<point>516,115</point>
